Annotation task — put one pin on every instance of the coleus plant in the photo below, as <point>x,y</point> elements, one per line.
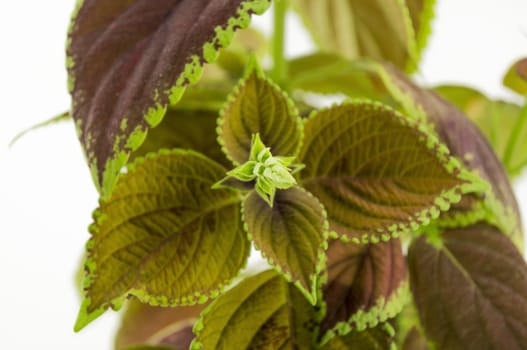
<point>386,220</point>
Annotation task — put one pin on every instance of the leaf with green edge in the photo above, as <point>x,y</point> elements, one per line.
<point>262,312</point>
<point>292,235</point>
<point>465,141</point>
<point>188,129</point>
<point>258,106</point>
<point>328,73</point>
<point>379,29</point>
<point>422,14</point>
<point>145,324</point>
<point>157,234</point>
<point>366,284</point>
<point>56,119</point>
<point>516,77</point>
<point>504,124</point>
<point>380,337</point>
<point>470,288</point>
<point>377,173</point>
<point>122,80</point>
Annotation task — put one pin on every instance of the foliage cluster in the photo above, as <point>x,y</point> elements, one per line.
<point>388,220</point>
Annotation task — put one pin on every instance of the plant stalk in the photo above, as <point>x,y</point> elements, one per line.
<point>279,70</point>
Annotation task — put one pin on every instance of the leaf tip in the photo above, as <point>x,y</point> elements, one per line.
<point>85,317</point>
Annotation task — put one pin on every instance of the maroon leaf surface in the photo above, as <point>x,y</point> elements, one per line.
<point>470,289</point>
<point>127,59</point>
<point>362,278</point>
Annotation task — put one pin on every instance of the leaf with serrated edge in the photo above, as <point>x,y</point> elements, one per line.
<point>470,288</point>
<point>292,235</point>
<point>158,234</point>
<point>465,141</point>
<point>504,124</point>
<point>380,337</point>
<point>377,173</point>
<point>421,12</point>
<point>365,285</point>
<point>122,80</point>
<point>378,29</point>
<point>258,106</point>
<point>262,312</point>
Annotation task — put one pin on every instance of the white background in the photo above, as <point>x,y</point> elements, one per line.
<point>46,194</point>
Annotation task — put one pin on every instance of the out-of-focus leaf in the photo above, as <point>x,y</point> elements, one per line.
<point>516,77</point>
<point>421,13</point>
<point>465,141</point>
<point>470,288</point>
<point>328,73</point>
<point>380,337</point>
<point>246,43</point>
<point>57,119</point>
<point>504,124</point>
<point>378,29</point>
<point>414,340</point>
<point>145,324</point>
<point>377,173</point>
<point>257,106</point>
<point>262,312</point>
<point>164,236</point>
<point>408,329</point>
<point>122,80</point>
<point>187,129</point>
<point>291,235</point>
<point>365,285</point>
<point>152,347</point>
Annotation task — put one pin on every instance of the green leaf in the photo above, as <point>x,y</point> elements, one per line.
<point>470,289</point>
<point>328,73</point>
<point>236,57</point>
<point>122,80</point>
<point>377,173</point>
<point>422,14</point>
<point>291,235</point>
<point>145,324</point>
<point>516,77</point>
<point>164,236</point>
<point>378,29</point>
<point>187,129</point>
<point>504,124</point>
<point>57,119</point>
<point>262,312</point>
<point>464,141</point>
<point>365,285</point>
<point>380,337</point>
<point>258,106</point>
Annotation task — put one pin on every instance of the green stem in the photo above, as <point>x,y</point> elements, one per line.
<point>279,71</point>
